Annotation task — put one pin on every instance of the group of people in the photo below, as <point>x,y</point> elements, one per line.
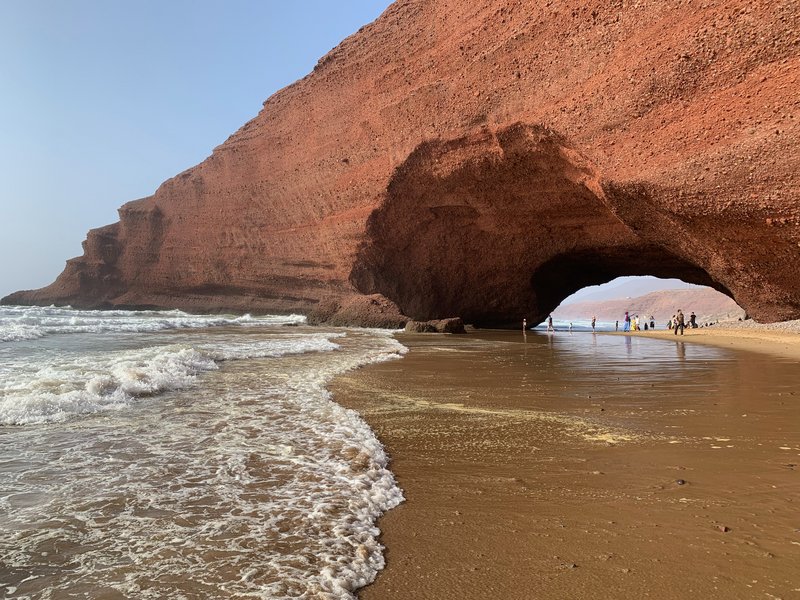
<point>679,322</point>
<point>676,323</point>
<point>633,323</point>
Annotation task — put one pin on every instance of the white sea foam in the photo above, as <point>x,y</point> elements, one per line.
<point>20,323</point>
<point>64,389</point>
<point>275,347</point>
<point>252,485</point>
<point>62,386</point>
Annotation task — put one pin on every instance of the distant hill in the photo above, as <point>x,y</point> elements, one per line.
<point>709,306</point>
<point>628,287</point>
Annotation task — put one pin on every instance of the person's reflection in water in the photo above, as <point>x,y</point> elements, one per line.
<point>681,350</point>
<point>628,344</point>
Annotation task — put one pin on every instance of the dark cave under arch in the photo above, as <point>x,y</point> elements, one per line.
<point>502,225</point>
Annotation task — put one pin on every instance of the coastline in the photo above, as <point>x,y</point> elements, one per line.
<point>513,497</point>
<point>769,339</point>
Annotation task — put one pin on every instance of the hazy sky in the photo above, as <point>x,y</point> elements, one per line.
<point>102,100</point>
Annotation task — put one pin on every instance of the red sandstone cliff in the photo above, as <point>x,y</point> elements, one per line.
<point>486,160</point>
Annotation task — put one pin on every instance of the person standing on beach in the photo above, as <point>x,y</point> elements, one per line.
<point>524,324</point>
<point>652,322</point>
<point>627,325</point>
<point>679,322</point>
<point>594,320</point>
<point>550,323</point>
<point>616,326</point>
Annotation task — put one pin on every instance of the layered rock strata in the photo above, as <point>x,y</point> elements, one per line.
<point>486,160</point>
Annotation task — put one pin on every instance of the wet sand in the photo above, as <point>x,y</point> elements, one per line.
<point>583,466</point>
<point>780,343</point>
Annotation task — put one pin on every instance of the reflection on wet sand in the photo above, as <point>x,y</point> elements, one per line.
<point>593,467</point>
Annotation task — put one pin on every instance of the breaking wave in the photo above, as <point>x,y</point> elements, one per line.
<point>21,323</point>
<point>65,384</point>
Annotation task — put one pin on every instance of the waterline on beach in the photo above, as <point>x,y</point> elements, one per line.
<point>161,461</point>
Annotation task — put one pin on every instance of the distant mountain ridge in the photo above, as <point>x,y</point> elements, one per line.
<point>628,287</point>
<point>709,305</point>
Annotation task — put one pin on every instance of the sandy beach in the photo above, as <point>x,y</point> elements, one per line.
<point>752,339</point>
<point>588,466</point>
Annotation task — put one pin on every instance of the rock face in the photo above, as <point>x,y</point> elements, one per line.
<point>486,160</point>
<point>451,325</point>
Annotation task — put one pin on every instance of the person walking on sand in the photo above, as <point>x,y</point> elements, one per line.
<point>570,326</point>
<point>550,323</point>
<point>679,322</point>
<point>594,320</point>
<point>627,325</point>
<point>524,324</point>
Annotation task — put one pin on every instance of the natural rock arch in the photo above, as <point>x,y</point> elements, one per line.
<point>675,153</point>
<point>499,226</point>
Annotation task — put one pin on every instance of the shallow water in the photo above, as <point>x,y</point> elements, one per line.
<point>586,466</point>
<point>162,455</point>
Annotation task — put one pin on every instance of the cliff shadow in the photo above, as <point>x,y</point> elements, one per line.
<point>499,225</point>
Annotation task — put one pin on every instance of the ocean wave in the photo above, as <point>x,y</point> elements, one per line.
<point>32,322</point>
<point>19,332</point>
<point>274,348</point>
<point>56,393</point>
<point>64,387</point>
<point>258,479</point>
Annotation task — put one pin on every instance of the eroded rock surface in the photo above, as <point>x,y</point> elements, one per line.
<point>486,160</point>
<point>451,325</point>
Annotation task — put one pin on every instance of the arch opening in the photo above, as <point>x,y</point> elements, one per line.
<point>653,300</point>
<point>501,225</point>
<point>559,278</point>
